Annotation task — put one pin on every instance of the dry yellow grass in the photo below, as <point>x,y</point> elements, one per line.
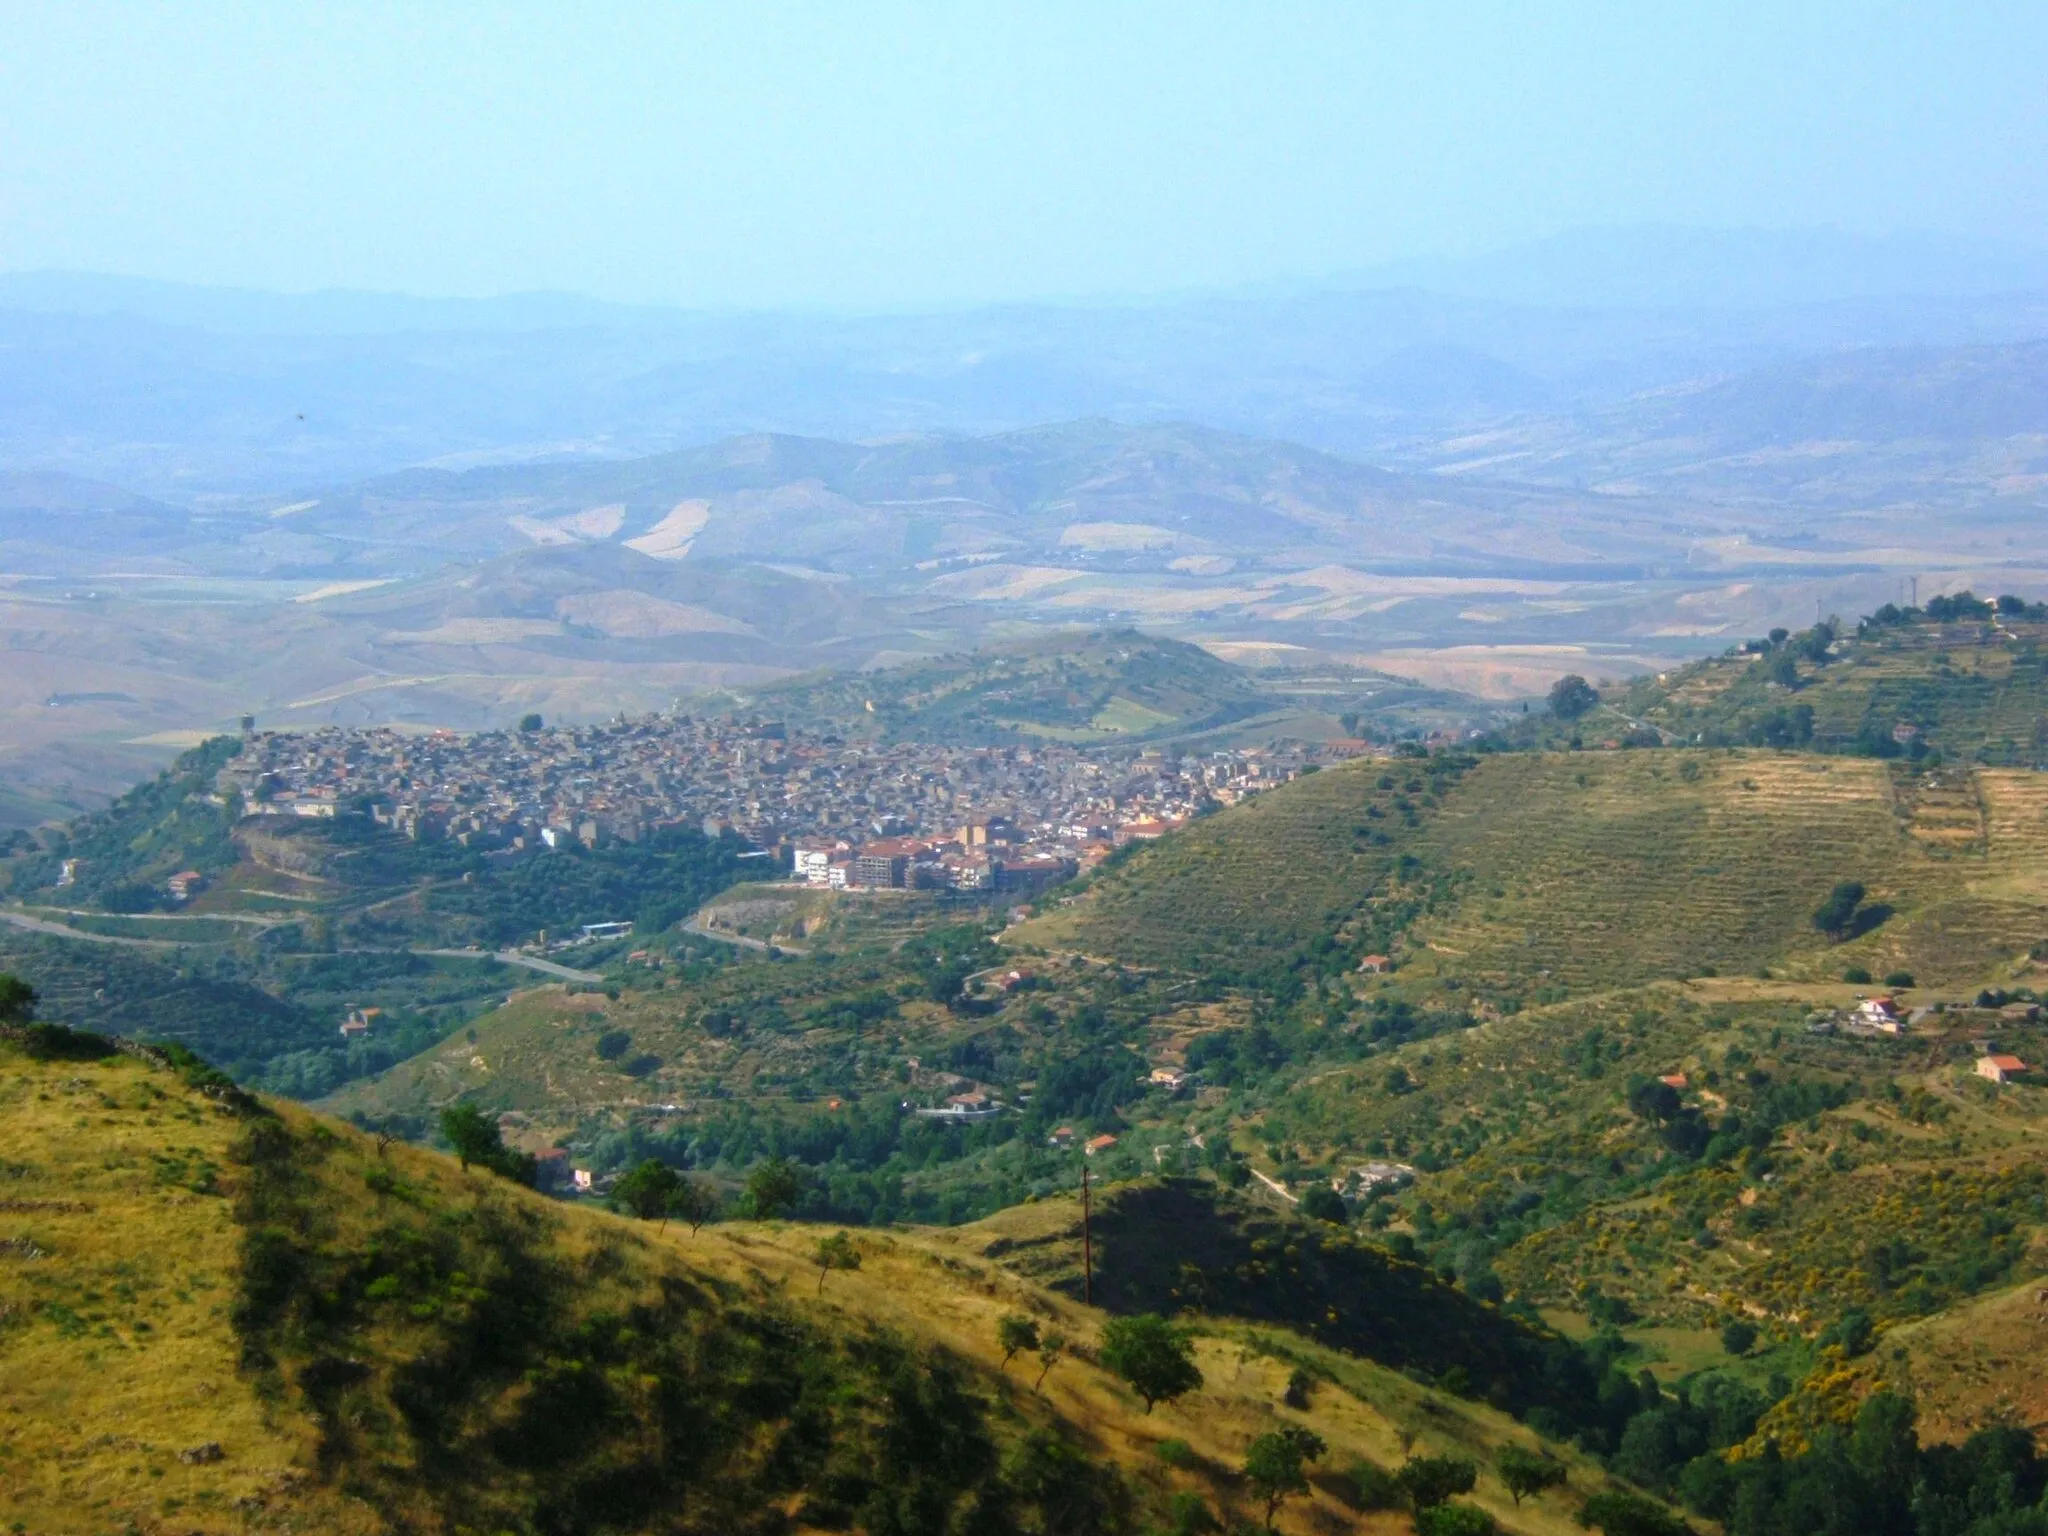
<point>935,1285</point>
<point>117,1352</point>
<point>1977,1365</point>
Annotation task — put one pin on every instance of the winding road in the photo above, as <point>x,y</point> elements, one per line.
<point>506,956</point>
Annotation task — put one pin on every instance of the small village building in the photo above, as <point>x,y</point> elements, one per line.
<point>1375,965</point>
<point>2000,1068</point>
<point>1096,1144</point>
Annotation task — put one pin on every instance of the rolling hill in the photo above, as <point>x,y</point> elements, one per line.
<point>1077,688</point>
<point>1963,678</point>
<point>216,1311</point>
<point>1528,871</point>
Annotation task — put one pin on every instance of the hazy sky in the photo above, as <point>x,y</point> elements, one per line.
<point>873,153</point>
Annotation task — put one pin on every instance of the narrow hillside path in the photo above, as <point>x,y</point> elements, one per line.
<point>62,931</point>
<point>695,926</point>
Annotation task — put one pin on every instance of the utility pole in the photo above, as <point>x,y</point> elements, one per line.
<point>1087,1246</point>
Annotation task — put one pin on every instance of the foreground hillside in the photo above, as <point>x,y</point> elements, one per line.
<point>220,1315</point>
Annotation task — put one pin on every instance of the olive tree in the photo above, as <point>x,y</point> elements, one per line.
<point>1154,1357</point>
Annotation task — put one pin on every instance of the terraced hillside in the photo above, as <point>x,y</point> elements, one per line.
<point>1972,686</point>
<point>222,1315</point>
<point>1589,870</point>
<point>1236,892</point>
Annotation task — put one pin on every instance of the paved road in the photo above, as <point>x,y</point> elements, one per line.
<point>694,926</point>
<point>508,956</point>
<point>513,957</point>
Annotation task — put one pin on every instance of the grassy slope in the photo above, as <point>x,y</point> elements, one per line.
<point>1602,869</point>
<point>1260,876</point>
<point>133,1336</point>
<point>1978,1365</point>
<point>1095,687</point>
<point>115,1349</point>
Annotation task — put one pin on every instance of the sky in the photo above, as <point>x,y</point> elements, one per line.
<point>894,155</point>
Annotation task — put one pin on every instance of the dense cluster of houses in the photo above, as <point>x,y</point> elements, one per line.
<point>851,813</point>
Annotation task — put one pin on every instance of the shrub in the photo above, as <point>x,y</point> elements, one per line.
<point>1627,1514</point>
<point>1322,1203</point>
<point>1367,1486</point>
<point>613,1044</point>
<point>1898,979</point>
<point>1454,1520</point>
<point>1856,976</point>
<point>1432,1480</point>
<point>17,1000</point>
<point>53,1042</point>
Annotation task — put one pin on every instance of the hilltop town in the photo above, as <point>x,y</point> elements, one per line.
<point>840,813</point>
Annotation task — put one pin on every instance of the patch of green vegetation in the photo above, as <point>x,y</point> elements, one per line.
<point>1962,679</point>
<point>126,852</point>
<point>1106,685</point>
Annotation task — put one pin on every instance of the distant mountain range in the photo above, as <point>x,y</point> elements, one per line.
<point>180,391</point>
<point>359,506</point>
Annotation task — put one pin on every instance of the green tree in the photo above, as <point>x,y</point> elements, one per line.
<point>1276,1465</point>
<point>1835,916</point>
<point>1016,1333</point>
<point>1738,1337</point>
<point>476,1139</point>
<point>1572,696</point>
<point>835,1252</point>
<point>1628,1514</point>
<point>648,1192</point>
<point>1431,1480</point>
<point>529,723</point>
<point>17,1000</point>
<point>473,1134</point>
<point>693,1203</point>
<point>774,1187</point>
<point>1051,1350</point>
<point>1322,1203</point>
<point>1526,1473</point>
<point>1156,1358</point>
